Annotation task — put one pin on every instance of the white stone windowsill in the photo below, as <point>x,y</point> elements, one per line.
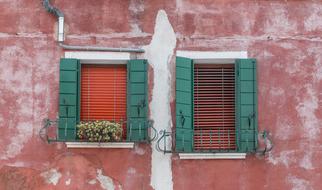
<point>190,156</point>
<point>100,145</point>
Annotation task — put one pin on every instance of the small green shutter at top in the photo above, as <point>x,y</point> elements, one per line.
<point>68,99</point>
<point>184,104</point>
<point>137,100</point>
<point>246,105</point>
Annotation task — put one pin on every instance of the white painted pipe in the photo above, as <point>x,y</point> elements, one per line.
<point>95,48</point>
<point>60,29</point>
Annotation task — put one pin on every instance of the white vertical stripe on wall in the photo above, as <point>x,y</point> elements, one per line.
<point>159,53</point>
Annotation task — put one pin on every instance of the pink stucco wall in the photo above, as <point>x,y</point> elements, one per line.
<point>284,36</point>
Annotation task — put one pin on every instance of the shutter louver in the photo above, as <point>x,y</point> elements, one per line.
<point>214,107</point>
<point>68,99</point>
<point>247,117</point>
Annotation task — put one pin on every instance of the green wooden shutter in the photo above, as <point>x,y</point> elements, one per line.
<point>137,100</point>
<point>68,99</point>
<point>246,109</point>
<point>184,104</point>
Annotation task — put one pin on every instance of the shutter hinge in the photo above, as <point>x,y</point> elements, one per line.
<point>182,118</point>
<point>140,105</point>
<point>250,117</point>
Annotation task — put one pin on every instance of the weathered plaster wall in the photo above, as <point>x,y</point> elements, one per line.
<point>283,35</point>
<point>159,53</point>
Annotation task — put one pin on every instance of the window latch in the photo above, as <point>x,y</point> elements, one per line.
<point>250,117</point>
<point>141,104</point>
<point>182,118</point>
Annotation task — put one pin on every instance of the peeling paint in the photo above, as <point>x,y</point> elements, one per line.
<point>92,182</point>
<point>105,181</point>
<point>16,80</point>
<point>131,170</point>
<point>287,45</point>
<point>306,161</point>
<point>279,21</point>
<point>68,181</point>
<point>306,110</point>
<point>317,75</point>
<point>285,158</point>
<point>313,22</point>
<point>138,150</point>
<point>51,176</point>
<point>184,6</point>
<point>159,53</point>
<point>298,183</point>
<point>284,128</point>
<point>17,164</point>
<point>296,65</point>
<point>18,140</point>
<point>277,96</point>
<point>275,91</point>
<point>136,7</point>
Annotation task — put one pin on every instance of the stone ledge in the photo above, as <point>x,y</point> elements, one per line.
<point>100,145</point>
<point>190,156</point>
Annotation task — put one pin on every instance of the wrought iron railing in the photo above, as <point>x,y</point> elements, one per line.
<point>163,138</point>
<point>166,137</point>
<point>208,141</point>
<point>137,131</point>
<point>165,143</point>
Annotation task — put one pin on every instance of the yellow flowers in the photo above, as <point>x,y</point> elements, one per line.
<point>99,131</point>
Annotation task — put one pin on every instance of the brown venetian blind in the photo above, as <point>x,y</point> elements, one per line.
<point>214,107</point>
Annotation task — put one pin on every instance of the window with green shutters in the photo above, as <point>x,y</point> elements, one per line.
<point>216,106</point>
<point>70,93</point>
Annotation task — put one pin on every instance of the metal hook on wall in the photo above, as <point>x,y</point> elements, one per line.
<point>268,143</point>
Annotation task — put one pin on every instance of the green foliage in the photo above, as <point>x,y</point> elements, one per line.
<point>99,131</point>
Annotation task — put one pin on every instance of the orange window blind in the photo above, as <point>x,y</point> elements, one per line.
<point>103,92</point>
<point>214,107</point>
